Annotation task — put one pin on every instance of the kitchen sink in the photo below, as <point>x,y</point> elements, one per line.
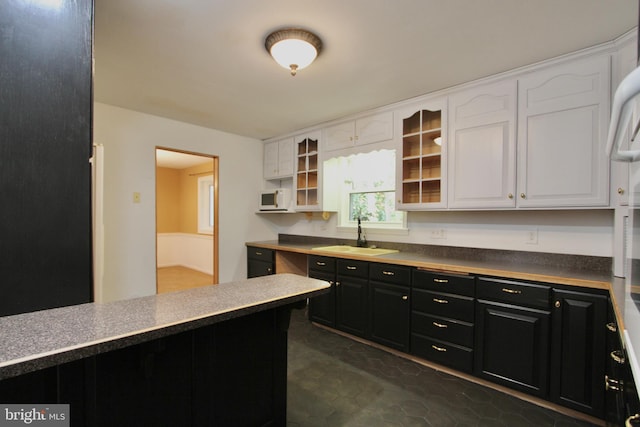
<point>344,249</point>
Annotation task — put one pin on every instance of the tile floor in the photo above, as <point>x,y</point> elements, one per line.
<point>335,381</point>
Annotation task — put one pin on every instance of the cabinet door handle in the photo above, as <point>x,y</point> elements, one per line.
<point>511,291</point>
<point>612,326</point>
<point>436,348</point>
<point>612,384</point>
<point>441,280</point>
<point>269,270</point>
<point>259,253</point>
<point>388,273</point>
<point>405,297</point>
<point>631,421</point>
<point>321,264</point>
<point>440,325</point>
<point>350,267</point>
<point>337,283</point>
<point>440,301</point>
<point>617,356</point>
<point>621,191</point>
<point>523,196</point>
<point>510,195</point>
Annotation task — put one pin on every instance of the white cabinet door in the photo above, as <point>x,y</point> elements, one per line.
<point>270,168</point>
<point>374,128</point>
<point>625,61</point>
<point>285,157</point>
<point>339,136</point>
<point>563,114</point>
<point>421,156</point>
<point>365,130</point>
<point>278,159</point>
<point>482,147</point>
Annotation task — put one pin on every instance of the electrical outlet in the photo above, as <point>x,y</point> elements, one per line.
<point>532,237</point>
<point>136,197</point>
<point>438,233</point>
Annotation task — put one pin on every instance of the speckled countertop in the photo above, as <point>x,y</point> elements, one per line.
<point>46,338</point>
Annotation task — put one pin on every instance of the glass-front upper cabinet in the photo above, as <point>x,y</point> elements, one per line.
<point>421,156</point>
<point>307,191</point>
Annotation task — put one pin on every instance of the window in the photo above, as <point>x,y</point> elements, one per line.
<point>368,190</point>
<point>205,204</point>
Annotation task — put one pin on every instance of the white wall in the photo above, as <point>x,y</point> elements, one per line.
<point>194,251</point>
<point>129,140</point>
<point>580,232</point>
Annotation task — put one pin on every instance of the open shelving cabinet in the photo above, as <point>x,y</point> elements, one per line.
<point>422,160</point>
<point>307,173</point>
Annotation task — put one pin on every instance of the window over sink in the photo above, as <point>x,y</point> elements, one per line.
<point>367,190</point>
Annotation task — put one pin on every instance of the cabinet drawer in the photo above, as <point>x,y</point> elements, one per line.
<point>260,254</point>
<point>440,282</point>
<point>517,293</point>
<point>444,305</point>
<point>348,267</point>
<point>443,329</point>
<point>389,273</point>
<point>455,356</point>
<point>322,263</point>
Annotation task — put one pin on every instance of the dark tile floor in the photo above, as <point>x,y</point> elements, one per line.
<point>335,381</point>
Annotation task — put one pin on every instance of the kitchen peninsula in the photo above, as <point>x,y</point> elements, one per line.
<point>197,357</point>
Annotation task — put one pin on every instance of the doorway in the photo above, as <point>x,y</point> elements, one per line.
<point>186,220</point>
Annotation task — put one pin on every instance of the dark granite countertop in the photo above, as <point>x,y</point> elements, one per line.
<point>41,339</point>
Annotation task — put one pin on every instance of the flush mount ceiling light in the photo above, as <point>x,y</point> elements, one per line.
<point>293,48</point>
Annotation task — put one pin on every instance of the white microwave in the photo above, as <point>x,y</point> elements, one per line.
<point>278,199</point>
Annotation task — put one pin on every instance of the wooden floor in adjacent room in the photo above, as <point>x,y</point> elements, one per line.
<point>177,278</point>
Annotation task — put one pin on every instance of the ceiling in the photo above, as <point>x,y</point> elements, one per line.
<point>204,61</point>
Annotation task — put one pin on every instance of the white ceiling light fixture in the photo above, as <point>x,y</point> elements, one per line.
<point>293,48</point>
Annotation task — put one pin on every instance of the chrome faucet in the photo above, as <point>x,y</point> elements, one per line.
<point>362,240</point>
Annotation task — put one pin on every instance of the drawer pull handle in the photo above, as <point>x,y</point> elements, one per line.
<point>321,264</point>
<point>618,356</point>
<point>259,253</point>
<point>631,421</point>
<point>612,384</point>
<point>441,280</point>
<point>405,297</point>
<point>350,267</point>
<point>436,348</point>
<point>440,325</point>
<point>388,273</point>
<point>612,326</point>
<point>440,301</point>
<point>511,291</point>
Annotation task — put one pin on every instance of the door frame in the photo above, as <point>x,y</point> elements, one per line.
<point>216,209</point>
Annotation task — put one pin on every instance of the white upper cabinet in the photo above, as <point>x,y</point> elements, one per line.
<point>421,156</point>
<point>365,130</point>
<point>482,147</point>
<point>278,159</point>
<point>563,114</point>
<point>625,61</point>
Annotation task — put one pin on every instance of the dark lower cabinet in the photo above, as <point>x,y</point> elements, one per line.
<point>352,279</point>
<point>389,287</point>
<point>513,346</point>
<point>578,350</point>
<point>322,308</point>
<point>512,341</point>
<point>442,318</point>
<point>260,262</point>
<point>233,373</point>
